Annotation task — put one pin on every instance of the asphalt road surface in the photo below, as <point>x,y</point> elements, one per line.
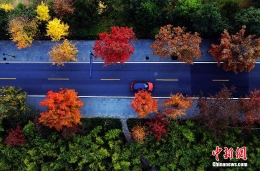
<point>115,80</point>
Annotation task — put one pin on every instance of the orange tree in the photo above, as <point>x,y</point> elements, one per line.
<point>143,103</point>
<point>116,46</point>
<point>22,30</point>
<point>62,109</point>
<point>176,105</point>
<point>173,41</point>
<point>138,133</point>
<point>237,52</point>
<point>251,108</point>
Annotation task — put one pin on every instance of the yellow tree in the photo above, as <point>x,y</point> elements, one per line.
<point>42,12</point>
<point>22,31</point>
<point>63,52</point>
<point>56,29</point>
<point>143,103</point>
<point>176,105</point>
<point>7,7</point>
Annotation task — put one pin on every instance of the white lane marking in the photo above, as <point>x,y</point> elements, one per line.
<point>220,80</point>
<point>164,79</point>
<point>7,78</point>
<point>58,79</point>
<point>110,79</point>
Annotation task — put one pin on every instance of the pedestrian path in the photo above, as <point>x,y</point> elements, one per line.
<point>113,107</point>
<point>38,51</point>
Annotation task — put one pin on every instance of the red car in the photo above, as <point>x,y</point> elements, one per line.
<point>136,86</point>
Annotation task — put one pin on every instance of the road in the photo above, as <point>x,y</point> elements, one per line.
<point>114,80</point>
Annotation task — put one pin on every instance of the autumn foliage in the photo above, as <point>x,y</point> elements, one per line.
<point>251,108</point>
<point>143,103</point>
<point>158,126</point>
<point>174,41</point>
<point>15,137</point>
<point>219,111</point>
<point>7,7</point>
<point>63,52</point>
<point>237,52</point>
<point>62,109</point>
<point>138,133</point>
<point>22,30</point>
<point>176,105</point>
<point>43,12</point>
<point>116,46</point>
<point>63,7</point>
<point>56,29</point>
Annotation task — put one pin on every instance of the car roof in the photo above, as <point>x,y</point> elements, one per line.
<point>139,85</point>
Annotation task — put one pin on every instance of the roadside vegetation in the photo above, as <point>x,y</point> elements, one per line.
<point>60,139</point>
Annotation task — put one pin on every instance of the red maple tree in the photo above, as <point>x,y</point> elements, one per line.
<point>15,137</point>
<point>158,126</point>
<point>143,103</point>
<point>62,109</point>
<point>237,52</point>
<point>251,108</point>
<point>116,46</point>
<point>174,41</point>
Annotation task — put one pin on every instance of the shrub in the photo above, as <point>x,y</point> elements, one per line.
<point>15,137</point>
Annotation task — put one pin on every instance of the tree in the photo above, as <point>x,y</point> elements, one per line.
<point>237,52</point>
<point>176,105</point>
<point>56,29</point>
<point>147,16</point>
<point>63,52</point>
<point>12,102</point>
<point>22,31</point>
<point>143,103</point>
<point>62,109</point>
<point>158,126</point>
<point>173,41</point>
<point>251,108</point>
<point>63,7</point>
<point>7,7</point>
<point>208,21</point>
<point>218,111</point>
<point>184,10</point>
<point>138,133</point>
<point>249,17</point>
<point>116,46</point>
<point>15,137</point>
<point>42,12</point>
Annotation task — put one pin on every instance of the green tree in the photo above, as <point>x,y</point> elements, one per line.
<point>82,19</point>
<point>208,21</point>
<point>249,17</point>
<point>12,101</point>
<point>147,16</point>
<point>185,10</point>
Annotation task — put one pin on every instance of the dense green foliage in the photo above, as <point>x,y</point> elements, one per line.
<point>208,21</point>
<point>249,17</point>
<point>208,17</point>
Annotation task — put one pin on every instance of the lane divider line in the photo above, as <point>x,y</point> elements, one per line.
<point>159,79</point>
<point>219,80</point>
<point>58,79</point>
<point>7,78</point>
<point>131,97</point>
<point>110,79</point>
